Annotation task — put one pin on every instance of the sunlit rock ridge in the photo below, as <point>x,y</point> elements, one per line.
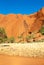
<point>17,24</point>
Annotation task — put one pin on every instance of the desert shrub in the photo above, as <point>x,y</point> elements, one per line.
<point>42,30</point>
<point>3,36</point>
<point>30,36</point>
<point>11,40</point>
<point>3,33</point>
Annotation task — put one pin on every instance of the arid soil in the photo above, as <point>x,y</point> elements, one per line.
<point>16,60</point>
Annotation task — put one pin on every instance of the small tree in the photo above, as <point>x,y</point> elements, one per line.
<point>3,36</point>
<point>2,33</point>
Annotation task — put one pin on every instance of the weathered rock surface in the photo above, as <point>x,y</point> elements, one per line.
<point>17,24</point>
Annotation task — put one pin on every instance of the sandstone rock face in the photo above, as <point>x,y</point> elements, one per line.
<point>17,24</point>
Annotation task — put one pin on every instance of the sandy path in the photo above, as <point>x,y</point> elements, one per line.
<point>16,60</point>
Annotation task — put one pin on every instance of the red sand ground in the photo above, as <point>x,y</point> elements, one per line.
<point>16,60</point>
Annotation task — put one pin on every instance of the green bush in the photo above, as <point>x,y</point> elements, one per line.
<point>42,30</point>
<point>11,40</point>
<point>3,33</point>
<point>3,36</point>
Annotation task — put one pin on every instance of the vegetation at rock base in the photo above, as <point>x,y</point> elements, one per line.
<point>42,30</point>
<point>4,38</point>
<point>11,40</point>
<point>29,38</point>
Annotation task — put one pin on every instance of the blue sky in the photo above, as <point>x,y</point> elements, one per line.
<point>20,6</point>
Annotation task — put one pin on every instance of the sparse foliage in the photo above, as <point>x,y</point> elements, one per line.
<point>42,30</point>
<point>11,40</point>
<point>3,36</point>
